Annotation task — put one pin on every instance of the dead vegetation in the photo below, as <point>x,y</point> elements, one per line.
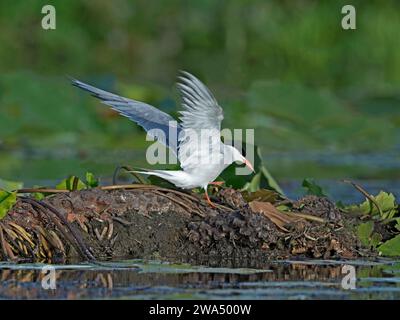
<point>142,221</point>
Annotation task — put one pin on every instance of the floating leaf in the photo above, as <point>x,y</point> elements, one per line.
<point>7,200</point>
<point>391,247</point>
<point>313,188</point>
<point>10,185</point>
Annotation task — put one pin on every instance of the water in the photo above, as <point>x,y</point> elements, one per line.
<point>337,190</point>
<point>137,279</point>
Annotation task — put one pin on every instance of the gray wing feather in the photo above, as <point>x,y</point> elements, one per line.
<point>145,115</point>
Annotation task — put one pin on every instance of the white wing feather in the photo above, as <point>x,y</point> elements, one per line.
<point>201,115</point>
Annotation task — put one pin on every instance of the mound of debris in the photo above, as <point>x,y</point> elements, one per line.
<point>154,222</point>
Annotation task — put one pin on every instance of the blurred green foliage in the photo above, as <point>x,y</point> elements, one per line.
<point>285,68</point>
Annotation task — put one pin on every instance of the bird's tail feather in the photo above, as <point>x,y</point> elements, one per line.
<point>165,174</point>
<point>176,177</point>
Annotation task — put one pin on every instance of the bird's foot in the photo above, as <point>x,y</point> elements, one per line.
<point>211,204</point>
<point>209,201</point>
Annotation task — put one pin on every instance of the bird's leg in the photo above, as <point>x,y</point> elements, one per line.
<point>208,200</point>
<point>217,183</point>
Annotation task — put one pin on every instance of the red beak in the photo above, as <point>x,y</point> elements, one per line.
<point>249,165</point>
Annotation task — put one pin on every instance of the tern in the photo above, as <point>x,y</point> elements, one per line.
<point>201,162</point>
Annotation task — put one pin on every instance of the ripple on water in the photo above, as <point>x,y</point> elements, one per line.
<point>138,279</point>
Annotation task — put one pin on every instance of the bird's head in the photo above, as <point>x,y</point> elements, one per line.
<point>235,156</point>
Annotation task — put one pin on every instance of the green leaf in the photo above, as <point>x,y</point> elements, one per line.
<point>391,247</point>
<point>267,181</point>
<point>254,184</point>
<point>397,226</point>
<point>364,232</point>
<point>10,185</point>
<point>68,184</point>
<point>262,179</point>
<point>270,180</point>
<point>91,181</point>
<point>38,195</point>
<point>387,203</point>
<point>283,207</point>
<point>313,188</point>
<point>340,205</point>
<point>7,200</point>
<point>375,239</point>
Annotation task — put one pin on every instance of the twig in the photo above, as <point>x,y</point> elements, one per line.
<point>122,221</point>
<point>128,169</point>
<point>366,194</point>
<point>128,186</point>
<point>282,202</point>
<point>174,200</point>
<point>110,229</point>
<point>306,216</point>
<point>2,242</point>
<point>5,246</point>
<point>44,207</point>
<point>131,187</point>
<point>41,190</point>
<point>117,187</point>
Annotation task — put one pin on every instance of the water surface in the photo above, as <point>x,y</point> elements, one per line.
<point>138,279</point>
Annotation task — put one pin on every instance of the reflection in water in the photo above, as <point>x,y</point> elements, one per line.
<point>295,280</point>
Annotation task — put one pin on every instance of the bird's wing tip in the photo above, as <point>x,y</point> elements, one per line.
<point>184,75</point>
<point>75,82</point>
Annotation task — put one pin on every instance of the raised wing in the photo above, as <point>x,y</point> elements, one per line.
<point>154,121</point>
<point>201,118</point>
<point>201,109</point>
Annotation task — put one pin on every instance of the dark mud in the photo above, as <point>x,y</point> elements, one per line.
<point>162,224</point>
